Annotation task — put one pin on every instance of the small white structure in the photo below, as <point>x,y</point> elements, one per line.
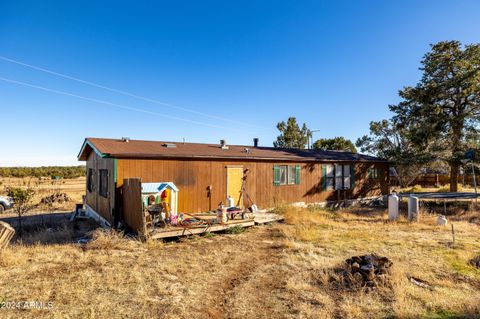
<point>393,201</point>
<point>413,208</point>
<point>169,191</point>
<point>442,220</point>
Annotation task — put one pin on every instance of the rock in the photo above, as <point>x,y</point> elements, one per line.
<point>372,259</point>
<point>475,262</point>
<point>358,277</point>
<point>368,271</point>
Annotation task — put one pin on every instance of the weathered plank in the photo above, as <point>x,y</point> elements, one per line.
<point>180,231</point>
<point>6,234</point>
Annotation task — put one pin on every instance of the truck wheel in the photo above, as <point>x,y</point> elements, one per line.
<point>2,208</point>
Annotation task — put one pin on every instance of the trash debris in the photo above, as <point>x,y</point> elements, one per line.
<point>367,271</point>
<point>420,282</point>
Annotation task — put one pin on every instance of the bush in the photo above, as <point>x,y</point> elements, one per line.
<point>44,171</point>
<point>235,230</point>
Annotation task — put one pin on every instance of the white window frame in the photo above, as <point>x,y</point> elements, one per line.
<point>343,176</point>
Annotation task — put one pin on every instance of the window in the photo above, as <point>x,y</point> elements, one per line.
<point>90,185</point>
<point>329,176</point>
<point>103,184</point>
<point>283,175</point>
<point>373,173</point>
<point>286,174</point>
<point>292,175</point>
<point>337,176</point>
<point>342,177</point>
<point>346,177</point>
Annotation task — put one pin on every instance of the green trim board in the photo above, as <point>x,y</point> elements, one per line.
<point>298,172</point>
<point>114,170</point>
<point>276,175</point>
<point>324,177</point>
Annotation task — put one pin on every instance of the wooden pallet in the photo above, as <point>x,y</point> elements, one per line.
<point>6,234</point>
<point>185,231</point>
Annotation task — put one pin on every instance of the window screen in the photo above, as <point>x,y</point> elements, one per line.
<point>329,176</point>
<point>103,184</point>
<point>283,175</point>
<point>90,180</point>
<point>292,173</point>
<point>338,176</point>
<point>373,173</point>
<point>346,177</point>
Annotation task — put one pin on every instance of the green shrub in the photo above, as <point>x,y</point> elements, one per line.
<point>235,230</point>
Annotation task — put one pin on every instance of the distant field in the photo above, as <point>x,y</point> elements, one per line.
<point>74,188</point>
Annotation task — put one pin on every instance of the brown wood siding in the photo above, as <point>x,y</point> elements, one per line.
<point>102,205</point>
<point>192,177</point>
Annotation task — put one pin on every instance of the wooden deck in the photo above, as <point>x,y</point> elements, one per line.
<point>178,231</point>
<point>265,217</point>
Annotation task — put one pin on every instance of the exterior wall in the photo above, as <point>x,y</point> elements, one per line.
<point>103,206</point>
<point>193,177</point>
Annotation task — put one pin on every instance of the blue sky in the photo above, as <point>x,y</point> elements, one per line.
<point>335,65</point>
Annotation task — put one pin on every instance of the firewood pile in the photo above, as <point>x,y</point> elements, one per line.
<point>6,234</point>
<point>55,198</point>
<point>369,271</point>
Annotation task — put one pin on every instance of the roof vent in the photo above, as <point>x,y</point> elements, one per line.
<point>169,145</point>
<point>247,150</point>
<point>223,144</point>
<point>255,142</point>
<point>126,139</point>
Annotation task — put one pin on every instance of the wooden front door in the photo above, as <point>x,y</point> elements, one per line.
<point>234,184</point>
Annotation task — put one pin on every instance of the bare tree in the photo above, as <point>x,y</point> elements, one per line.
<point>22,198</point>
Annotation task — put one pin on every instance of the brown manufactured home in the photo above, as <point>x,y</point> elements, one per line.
<point>205,174</point>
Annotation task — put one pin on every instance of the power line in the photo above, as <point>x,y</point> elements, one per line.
<point>126,107</point>
<point>125,93</point>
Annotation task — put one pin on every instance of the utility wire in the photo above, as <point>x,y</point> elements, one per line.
<point>125,93</point>
<point>126,107</point>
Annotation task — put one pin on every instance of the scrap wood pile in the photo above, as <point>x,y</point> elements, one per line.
<point>6,234</point>
<point>367,271</point>
<point>55,198</point>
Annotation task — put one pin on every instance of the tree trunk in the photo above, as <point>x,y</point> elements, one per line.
<point>454,168</point>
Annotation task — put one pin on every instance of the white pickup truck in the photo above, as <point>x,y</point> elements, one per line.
<point>5,203</point>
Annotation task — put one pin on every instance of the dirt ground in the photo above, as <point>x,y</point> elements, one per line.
<point>282,270</point>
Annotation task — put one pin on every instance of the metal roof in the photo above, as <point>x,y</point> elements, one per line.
<point>118,148</point>
<point>158,187</point>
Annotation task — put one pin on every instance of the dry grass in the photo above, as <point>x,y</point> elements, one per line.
<point>74,188</point>
<point>280,271</point>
